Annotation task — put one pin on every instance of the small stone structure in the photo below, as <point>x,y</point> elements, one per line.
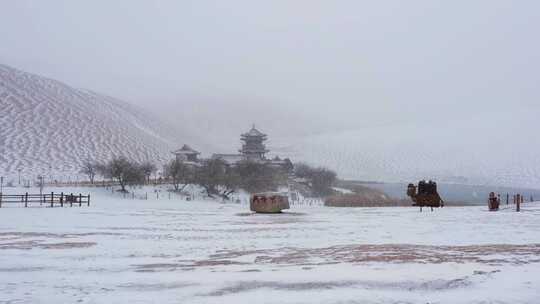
<point>268,202</point>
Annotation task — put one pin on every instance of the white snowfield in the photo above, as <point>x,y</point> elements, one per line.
<point>176,251</point>
<point>47,127</point>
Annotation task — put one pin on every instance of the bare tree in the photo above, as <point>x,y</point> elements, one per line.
<point>101,169</point>
<point>258,177</point>
<point>302,170</point>
<point>230,182</point>
<point>216,178</point>
<point>179,173</point>
<point>123,171</point>
<point>321,179</point>
<point>148,169</point>
<point>90,169</point>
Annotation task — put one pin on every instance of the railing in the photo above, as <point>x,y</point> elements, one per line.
<point>46,199</point>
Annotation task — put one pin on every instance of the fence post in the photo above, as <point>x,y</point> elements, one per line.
<point>26,200</point>
<point>507,198</point>
<point>1,199</point>
<point>71,200</point>
<point>88,199</point>
<point>80,200</point>
<point>62,199</point>
<point>52,199</point>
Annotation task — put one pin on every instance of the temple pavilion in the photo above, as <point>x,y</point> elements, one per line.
<point>187,154</point>
<point>253,149</point>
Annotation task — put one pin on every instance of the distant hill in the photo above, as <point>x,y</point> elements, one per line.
<point>47,127</point>
<point>484,149</point>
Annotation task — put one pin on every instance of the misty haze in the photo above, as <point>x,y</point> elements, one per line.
<point>277,152</point>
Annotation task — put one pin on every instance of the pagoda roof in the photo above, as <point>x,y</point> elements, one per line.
<point>186,150</point>
<point>254,133</point>
<point>229,158</point>
<point>254,150</point>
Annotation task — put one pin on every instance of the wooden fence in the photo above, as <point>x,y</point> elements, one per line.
<point>46,199</point>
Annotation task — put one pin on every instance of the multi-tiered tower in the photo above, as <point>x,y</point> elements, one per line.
<point>253,147</point>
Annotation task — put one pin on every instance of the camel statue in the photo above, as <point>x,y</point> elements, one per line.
<point>426,196</point>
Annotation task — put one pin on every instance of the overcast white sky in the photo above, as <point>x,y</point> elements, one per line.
<point>322,64</point>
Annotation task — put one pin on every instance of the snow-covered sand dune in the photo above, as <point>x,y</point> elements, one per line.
<point>175,251</point>
<point>485,149</point>
<point>47,127</point>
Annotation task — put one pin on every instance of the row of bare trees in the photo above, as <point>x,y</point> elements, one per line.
<point>219,179</point>
<point>121,170</point>
<point>216,177</point>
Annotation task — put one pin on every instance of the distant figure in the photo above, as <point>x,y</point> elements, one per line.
<point>427,195</point>
<point>493,202</point>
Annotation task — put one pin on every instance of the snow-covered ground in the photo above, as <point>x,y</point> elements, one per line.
<point>176,251</point>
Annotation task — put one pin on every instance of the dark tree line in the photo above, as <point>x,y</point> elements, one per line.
<point>256,177</point>
<point>320,179</point>
<point>217,178</point>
